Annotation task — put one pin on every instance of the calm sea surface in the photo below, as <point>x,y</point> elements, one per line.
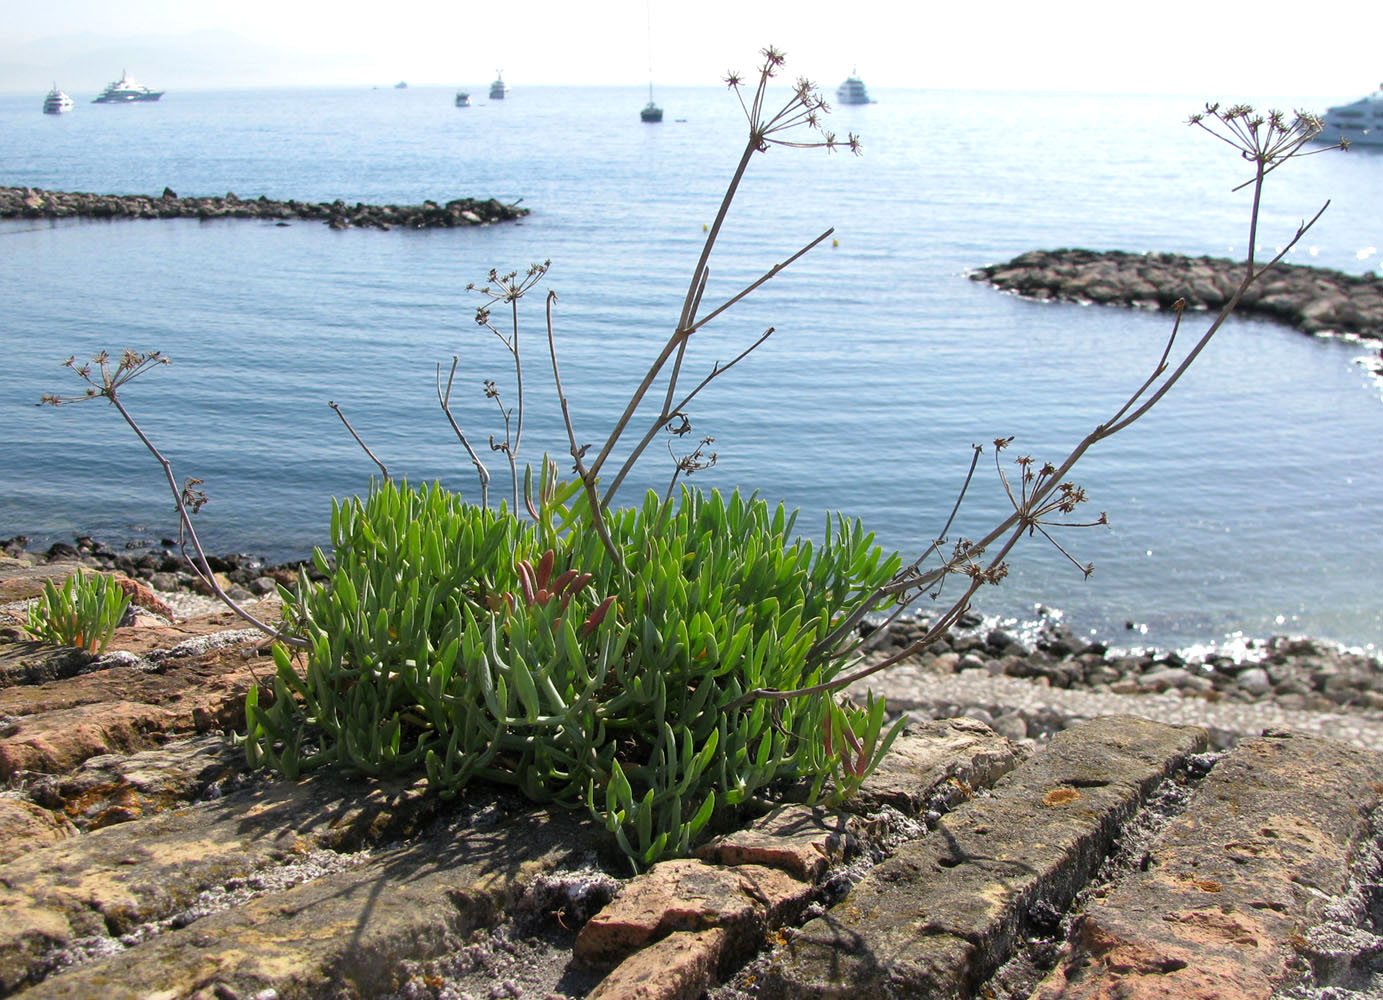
<point>1246,505</point>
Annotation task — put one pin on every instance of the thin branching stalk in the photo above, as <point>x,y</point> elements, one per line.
<point>677,411</point>
<point>382,470</point>
<point>444,398</point>
<point>199,565</point>
<point>578,451</point>
<point>1036,499</point>
<point>106,384</point>
<point>802,109</point>
<point>689,327</point>
<point>507,288</point>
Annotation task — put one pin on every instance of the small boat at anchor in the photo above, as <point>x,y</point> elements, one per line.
<point>651,112</point>
<point>463,99</point>
<point>852,91</point>
<point>56,103</point>
<point>126,91</point>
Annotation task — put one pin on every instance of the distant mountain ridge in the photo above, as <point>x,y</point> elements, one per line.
<point>85,62</point>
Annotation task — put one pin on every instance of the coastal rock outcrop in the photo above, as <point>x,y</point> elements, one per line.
<point>1312,299</point>
<point>36,203</point>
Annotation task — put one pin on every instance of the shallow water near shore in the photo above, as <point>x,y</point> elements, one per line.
<point>1245,505</point>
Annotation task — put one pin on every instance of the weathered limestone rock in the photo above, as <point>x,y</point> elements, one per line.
<point>801,840</point>
<point>939,916</point>
<point>112,880</point>
<point>117,788</point>
<point>32,662</point>
<point>53,727</point>
<point>944,759</point>
<point>690,895</point>
<point>24,826</point>
<point>1233,882</point>
<point>344,935</point>
<point>679,967</point>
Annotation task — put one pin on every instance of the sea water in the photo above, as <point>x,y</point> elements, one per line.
<point>1244,505</point>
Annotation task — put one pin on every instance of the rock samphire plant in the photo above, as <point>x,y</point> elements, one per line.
<point>468,643</point>
<point>658,664</point>
<point>83,612</point>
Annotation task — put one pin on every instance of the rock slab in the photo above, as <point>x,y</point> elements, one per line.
<point>1233,883</point>
<point>940,915</point>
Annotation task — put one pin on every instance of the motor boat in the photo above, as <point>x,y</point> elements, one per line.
<point>56,103</point>
<point>1359,123</point>
<point>463,99</point>
<point>852,91</point>
<point>499,88</point>
<point>125,91</point>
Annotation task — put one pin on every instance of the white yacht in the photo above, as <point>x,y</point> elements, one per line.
<point>56,103</point>
<point>125,91</point>
<point>499,88</point>
<point>852,91</point>
<point>1360,123</point>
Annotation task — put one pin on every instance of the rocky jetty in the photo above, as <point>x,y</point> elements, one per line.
<point>1314,300</point>
<point>1118,855</point>
<point>35,203</point>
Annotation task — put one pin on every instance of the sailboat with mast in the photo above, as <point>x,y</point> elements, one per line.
<point>651,112</point>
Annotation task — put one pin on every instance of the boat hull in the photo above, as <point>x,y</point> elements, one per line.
<point>119,98</point>
<point>1359,124</point>
<point>852,91</point>
<point>57,103</point>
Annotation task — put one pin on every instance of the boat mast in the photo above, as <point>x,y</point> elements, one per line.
<point>648,12</point>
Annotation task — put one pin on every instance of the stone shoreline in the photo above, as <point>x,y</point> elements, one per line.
<point>963,674</point>
<point>1312,299</point>
<point>1113,857</point>
<point>36,203</point>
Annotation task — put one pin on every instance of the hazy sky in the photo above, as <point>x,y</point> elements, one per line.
<point>1198,48</point>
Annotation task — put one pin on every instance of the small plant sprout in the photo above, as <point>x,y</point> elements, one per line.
<point>84,612</point>
<point>105,382</point>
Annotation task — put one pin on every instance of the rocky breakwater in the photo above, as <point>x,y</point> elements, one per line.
<point>139,858</point>
<point>1314,300</point>
<point>35,203</point>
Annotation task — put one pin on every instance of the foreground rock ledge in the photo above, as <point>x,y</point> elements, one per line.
<point>35,203</point>
<point>138,859</point>
<point>1312,299</point>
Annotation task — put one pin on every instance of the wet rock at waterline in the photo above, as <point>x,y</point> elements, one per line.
<point>35,203</point>
<point>1312,299</point>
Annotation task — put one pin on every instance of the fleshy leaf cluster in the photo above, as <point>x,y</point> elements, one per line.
<point>466,643</point>
<point>84,612</point>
